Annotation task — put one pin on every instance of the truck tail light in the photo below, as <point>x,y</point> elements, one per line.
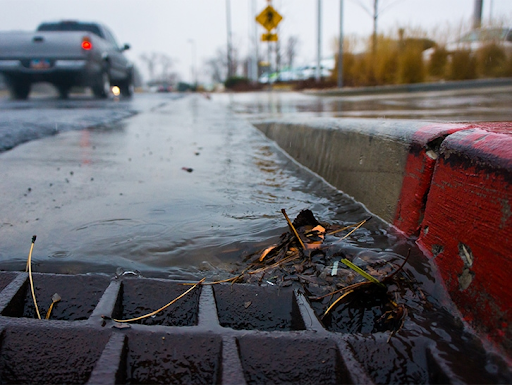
<point>86,44</point>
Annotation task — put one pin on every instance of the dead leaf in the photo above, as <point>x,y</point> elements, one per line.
<point>266,251</point>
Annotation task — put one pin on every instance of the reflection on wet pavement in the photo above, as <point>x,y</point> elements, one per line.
<point>487,104</point>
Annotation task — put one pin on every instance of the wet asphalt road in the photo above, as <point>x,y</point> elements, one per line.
<point>45,115</point>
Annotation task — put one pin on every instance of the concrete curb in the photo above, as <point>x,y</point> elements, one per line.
<point>467,227</point>
<point>419,87</point>
<point>449,184</point>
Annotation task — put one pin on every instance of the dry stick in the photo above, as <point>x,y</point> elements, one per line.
<point>400,268</point>
<point>162,308</point>
<point>358,224</point>
<point>284,260</point>
<point>343,228</point>
<point>355,228</point>
<point>293,229</point>
<point>55,298</point>
<point>234,279</point>
<point>351,287</point>
<point>29,263</point>
<point>335,302</point>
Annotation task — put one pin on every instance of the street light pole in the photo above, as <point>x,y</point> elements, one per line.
<point>477,15</point>
<point>193,65</point>
<point>254,63</point>
<point>228,22</point>
<point>340,49</point>
<point>319,41</point>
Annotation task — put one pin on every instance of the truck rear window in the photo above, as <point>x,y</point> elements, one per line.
<point>71,26</point>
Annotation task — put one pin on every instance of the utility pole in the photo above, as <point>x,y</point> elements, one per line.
<point>340,49</point>
<point>228,22</point>
<point>319,41</point>
<point>255,58</point>
<point>193,66</point>
<point>375,16</point>
<point>477,15</point>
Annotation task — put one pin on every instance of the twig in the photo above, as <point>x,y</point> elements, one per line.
<point>293,229</point>
<point>55,298</point>
<point>29,264</point>
<point>284,260</point>
<point>163,307</point>
<point>361,272</point>
<point>351,287</point>
<point>232,279</point>
<point>355,228</point>
<point>357,225</point>
<point>399,268</point>
<point>335,302</point>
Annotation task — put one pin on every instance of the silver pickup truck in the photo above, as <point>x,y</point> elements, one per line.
<point>65,54</point>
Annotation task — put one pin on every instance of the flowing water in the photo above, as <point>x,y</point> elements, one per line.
<point>190,190</point>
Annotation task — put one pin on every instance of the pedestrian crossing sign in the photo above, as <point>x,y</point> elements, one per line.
<point>269,18</point>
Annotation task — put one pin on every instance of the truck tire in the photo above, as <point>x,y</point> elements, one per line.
<point>126,86</point>
<point>63,91</point>
<point>101,88</point>
<point>19,88</point>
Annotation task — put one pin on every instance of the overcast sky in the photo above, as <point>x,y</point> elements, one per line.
<point>176,27</point>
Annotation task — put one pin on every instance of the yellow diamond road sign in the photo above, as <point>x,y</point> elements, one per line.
<point>269,18</point>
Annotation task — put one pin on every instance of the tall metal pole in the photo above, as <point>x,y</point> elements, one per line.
<point>375,16</point>
<point>228,22</point>
<point>477,15</point>
<point>193,66</point>
<point>255,42</point>
<point>340,49</point>
<point>319,41</point>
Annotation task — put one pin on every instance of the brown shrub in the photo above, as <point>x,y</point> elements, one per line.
<point>410,64</point>
<point>438,61</point>
<point>492,60</point>
<point>462,66</point>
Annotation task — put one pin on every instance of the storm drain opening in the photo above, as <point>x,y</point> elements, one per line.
<point>401,360</point>
<point>49,355</point>
<point>285,360</point>
<point>267,308</point>
<point>364,311</point>
<point>6,279</point>
<point>139,296</point>
<point>79,295</point>
<point>164,358</point>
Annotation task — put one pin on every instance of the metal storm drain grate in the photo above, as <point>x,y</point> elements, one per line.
<point>229,334</point>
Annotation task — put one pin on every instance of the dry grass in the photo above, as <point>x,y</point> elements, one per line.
<point>399,59</point>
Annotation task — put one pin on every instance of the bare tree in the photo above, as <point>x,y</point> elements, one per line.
<point>374,12</point>
<point>150,60</point>
<point>166,64</point>
<point>218,66</point>
<point>291,50</point>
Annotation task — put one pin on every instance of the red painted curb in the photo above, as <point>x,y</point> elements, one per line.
<point>467,225</point>
<point>418,173</point>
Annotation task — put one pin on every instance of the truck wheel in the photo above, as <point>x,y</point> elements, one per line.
<point>19,89</point>
<point>101,89</point>
<point>63,91</point>
<point>126,88</point>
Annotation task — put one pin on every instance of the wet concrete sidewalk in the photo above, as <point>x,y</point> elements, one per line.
<point>117,196</point>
